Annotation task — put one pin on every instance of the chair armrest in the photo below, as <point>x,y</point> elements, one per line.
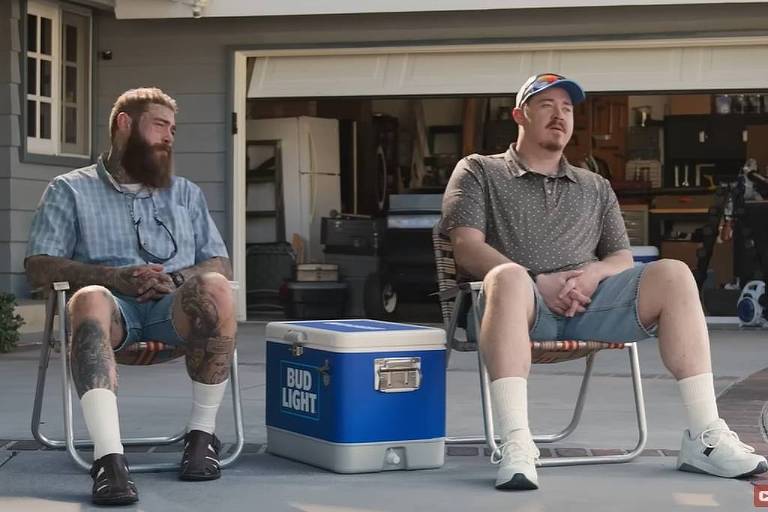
<point>450,293</point>
<point>461,288</point>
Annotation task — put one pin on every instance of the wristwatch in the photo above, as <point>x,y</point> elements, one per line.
<point>177,278</point>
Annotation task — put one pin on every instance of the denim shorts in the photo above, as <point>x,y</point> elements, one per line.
<point>611,316</point>
<point>147,321</point>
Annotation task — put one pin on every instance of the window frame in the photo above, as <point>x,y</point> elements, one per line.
<point>39,150</point>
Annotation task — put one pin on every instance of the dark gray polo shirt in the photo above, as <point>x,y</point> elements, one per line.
<point>547,224</point>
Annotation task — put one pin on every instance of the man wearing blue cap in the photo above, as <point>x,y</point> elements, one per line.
<point>548,240</point>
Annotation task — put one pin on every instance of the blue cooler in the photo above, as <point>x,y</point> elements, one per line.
<point>644,254</point>
<point>356,396</point>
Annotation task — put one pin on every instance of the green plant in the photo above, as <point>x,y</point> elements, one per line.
<point>9,323</point>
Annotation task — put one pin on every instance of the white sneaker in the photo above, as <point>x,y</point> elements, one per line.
<point>517,464</point>
<point>718,451</point>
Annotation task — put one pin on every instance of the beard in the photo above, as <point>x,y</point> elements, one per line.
<point>149,164</point>
<point>552,146</point>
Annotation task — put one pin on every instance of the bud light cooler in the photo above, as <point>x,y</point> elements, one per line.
<point>356,396</point>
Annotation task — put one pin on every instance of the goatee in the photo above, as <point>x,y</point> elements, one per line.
<point>149,164</point>
<point>552,146</point>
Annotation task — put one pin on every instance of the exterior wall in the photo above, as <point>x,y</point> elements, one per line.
<point>189,57</point>
<point>154,9</point>
<point>21,183</point>
<point>9,112</point>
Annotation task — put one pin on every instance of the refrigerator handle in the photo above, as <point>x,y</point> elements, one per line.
<point>312,187</point>
<point>381,193</point>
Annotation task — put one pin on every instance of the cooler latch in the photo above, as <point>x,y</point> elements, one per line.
<point>397,374</point>
<point>297,340</point>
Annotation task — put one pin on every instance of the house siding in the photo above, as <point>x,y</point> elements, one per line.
<point>189,59</point>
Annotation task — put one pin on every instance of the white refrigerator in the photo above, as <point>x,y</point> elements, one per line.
<point>310,164</point>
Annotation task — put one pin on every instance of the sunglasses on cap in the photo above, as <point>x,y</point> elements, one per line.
<point>544,81</point>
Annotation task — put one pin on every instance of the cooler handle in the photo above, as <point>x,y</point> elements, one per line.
<point>397,374</point>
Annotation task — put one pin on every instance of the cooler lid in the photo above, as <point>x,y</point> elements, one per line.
<point>354,334</point>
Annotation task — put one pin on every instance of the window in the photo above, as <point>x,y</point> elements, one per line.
<point>58,80</point>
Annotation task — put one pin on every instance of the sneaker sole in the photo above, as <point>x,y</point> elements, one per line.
<point>519,482</point>
<point>116,500</point>
<point>760,468</point>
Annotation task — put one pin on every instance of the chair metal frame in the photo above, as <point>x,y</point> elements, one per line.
<point>541,354</point>
<point>57,304</point>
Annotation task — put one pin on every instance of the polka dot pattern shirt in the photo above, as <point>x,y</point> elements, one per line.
<point>545,223</point>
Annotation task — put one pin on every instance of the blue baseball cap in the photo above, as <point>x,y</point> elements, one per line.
<point>538,83</point>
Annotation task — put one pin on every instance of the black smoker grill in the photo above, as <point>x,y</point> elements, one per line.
<point>407,269</point>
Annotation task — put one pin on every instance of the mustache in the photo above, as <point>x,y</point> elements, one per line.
<point>161,147</point>
<point>557,124</point>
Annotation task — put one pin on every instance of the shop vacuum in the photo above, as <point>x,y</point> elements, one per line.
<point>752,307</point>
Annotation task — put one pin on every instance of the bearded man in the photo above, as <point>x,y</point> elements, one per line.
<point>148,263</point>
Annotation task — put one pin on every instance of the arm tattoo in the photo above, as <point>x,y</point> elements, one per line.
<point>43,270</point>
<point>93,363</point>
<point>209,353</point>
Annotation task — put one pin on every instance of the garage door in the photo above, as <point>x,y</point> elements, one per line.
<point>645,65</point>
<point>638,65</point>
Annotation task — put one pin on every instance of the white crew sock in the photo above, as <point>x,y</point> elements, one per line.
<point>698,394</point>
<point>509,397</point>
<point>206,399</point>
<point>100,413</point>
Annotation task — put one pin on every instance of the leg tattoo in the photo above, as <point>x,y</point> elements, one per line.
<point>93,363</point>
<point>209,352</point>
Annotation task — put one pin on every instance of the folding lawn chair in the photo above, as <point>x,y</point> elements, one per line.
<point>143,353</point>
<point>458,299</point>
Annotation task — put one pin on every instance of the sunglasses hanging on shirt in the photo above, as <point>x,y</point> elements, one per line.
<point>146,254</point>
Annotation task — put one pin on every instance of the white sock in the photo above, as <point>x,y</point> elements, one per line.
<point>100,413</point>
<point>206,399</point>
<point>698,394</point>
<point>509,397</point>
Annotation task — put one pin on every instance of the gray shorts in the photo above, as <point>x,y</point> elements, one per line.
<point>611,316</point>
<point>147,321</point>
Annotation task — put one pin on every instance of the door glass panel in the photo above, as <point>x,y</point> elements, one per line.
<point>46,36</point>
<point>31,75</point>
<point>45,78</point>
<point>70,84</point>
<point>70,125</point>
<point>45,120</point>
<point>31,33</point>
<point>70,43</point>
<point>31,118</point>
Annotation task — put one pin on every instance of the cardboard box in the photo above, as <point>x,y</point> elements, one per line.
<point>317,272</point>
<point>684,202</point>
<point>690,104</point>
<point>721,262</point>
